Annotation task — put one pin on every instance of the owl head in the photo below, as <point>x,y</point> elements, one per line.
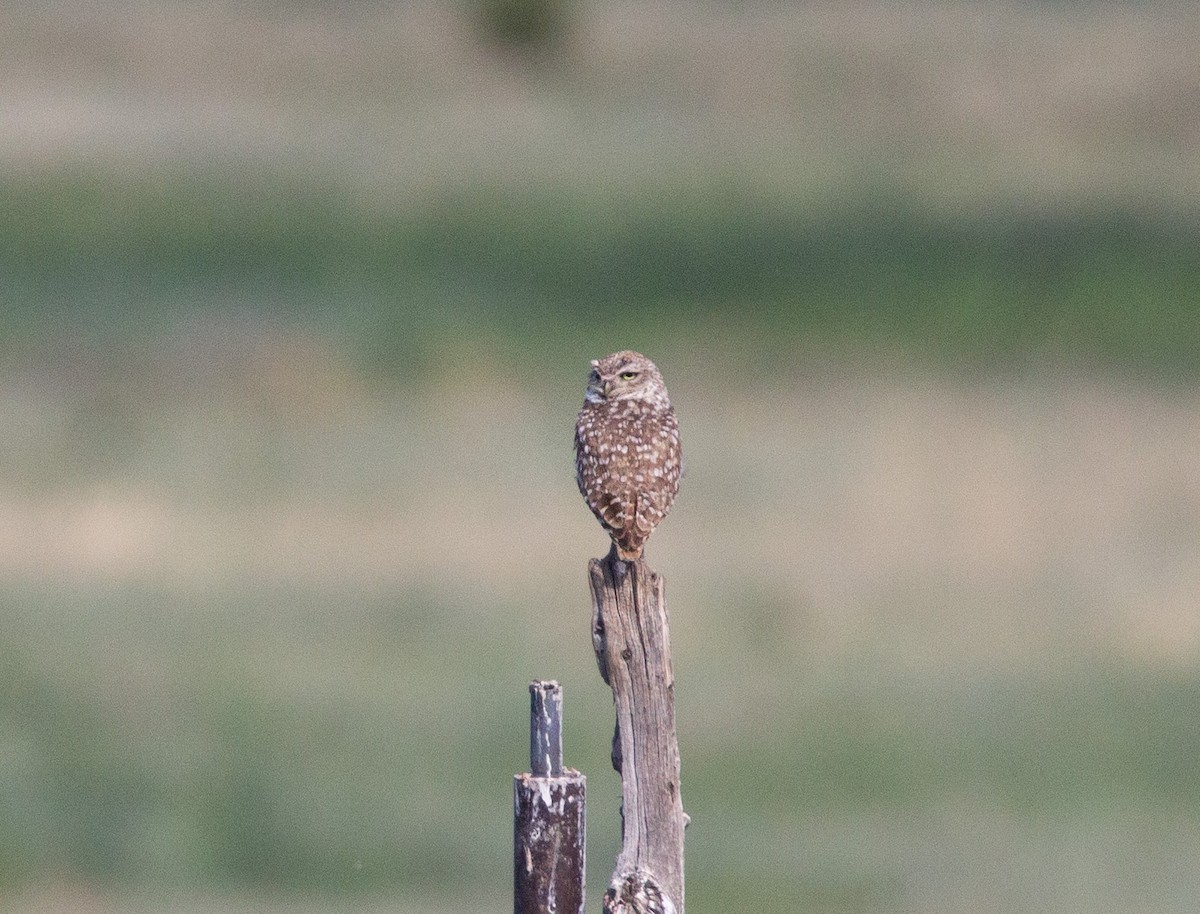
<point>626,375</point>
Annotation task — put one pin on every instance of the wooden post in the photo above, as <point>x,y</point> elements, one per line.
<point>549,837</point>
<point>632,643</point>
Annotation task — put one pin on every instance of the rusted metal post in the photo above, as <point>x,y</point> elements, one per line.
<point>633,648</point>
<point>549,838</point>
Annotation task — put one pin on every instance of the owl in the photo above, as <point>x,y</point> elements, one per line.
<point>627,454</point>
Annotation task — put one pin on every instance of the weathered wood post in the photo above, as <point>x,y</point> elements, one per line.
<point>549,838</point>
<point>632,643</point>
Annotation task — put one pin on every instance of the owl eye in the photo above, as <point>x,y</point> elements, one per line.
<point>628,375</point>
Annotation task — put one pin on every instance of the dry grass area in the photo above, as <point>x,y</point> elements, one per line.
<point>995,518</point>
<point>962,104</point>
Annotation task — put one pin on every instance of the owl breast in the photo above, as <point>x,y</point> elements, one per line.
<point>627,465</point>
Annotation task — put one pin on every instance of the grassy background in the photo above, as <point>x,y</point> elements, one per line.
<point>1108,285</point>
<point>294,301</point>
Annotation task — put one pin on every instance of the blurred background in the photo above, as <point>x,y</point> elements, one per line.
<point>296,305</point>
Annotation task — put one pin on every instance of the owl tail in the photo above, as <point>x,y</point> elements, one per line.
<point>630,539</point>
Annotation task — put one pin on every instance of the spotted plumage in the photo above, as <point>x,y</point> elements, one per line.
<point>627,454</point>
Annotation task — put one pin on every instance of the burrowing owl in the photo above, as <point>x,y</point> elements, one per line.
<point>627,454</point>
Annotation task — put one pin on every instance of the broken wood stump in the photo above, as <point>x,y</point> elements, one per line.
<point>631,638</point>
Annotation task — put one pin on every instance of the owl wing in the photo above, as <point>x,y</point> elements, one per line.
<point>653,501</point>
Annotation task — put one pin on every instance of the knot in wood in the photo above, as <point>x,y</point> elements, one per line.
<point>637,893</point>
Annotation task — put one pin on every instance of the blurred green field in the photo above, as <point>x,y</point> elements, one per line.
<point>295,302</point>
<point>1105,286</point>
